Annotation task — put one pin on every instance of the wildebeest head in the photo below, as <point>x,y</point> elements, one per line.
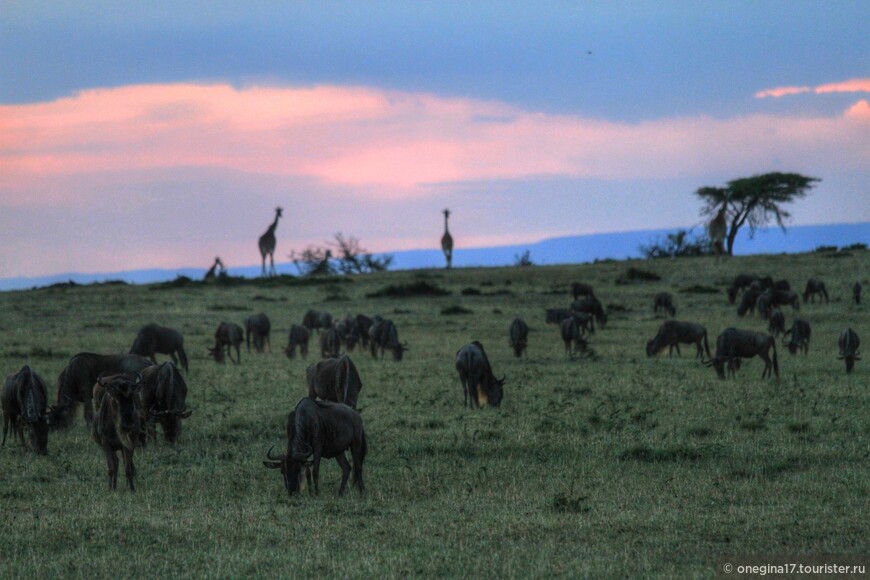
<point>294,464</point>
<point>496,392</point>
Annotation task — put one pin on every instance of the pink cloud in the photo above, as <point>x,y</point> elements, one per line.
<point>850,86</point>
<point>782,92</point>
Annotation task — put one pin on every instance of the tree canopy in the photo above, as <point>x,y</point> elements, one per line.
<point>755,201</point>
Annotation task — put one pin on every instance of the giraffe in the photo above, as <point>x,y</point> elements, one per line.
<point>267,245</point>
<point>447,241</point>
<point>717,229</point>
<point>213,271</point>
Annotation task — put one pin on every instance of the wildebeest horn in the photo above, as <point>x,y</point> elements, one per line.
<point>183,414</point>
<point>269,455</point>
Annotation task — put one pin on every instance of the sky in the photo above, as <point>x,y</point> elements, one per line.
<point>162,134</point>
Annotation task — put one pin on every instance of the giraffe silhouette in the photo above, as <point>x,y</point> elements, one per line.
<point>717,229</point>
<point>267,245</point>
<point>447,241</point>
<point>213,271</point>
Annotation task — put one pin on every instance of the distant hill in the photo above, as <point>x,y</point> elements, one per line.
<point>563,250</point>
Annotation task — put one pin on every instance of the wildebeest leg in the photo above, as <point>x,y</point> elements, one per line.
<point>345,471</point>
<point>357,457</point>
<point>315,472</point>
<point>7,418</point>
<point>89,410</point>
<point>768,366</point>
<point>112,465</point>
<point>19,428</point>
<point>129,468</point>
<point>677,346</point>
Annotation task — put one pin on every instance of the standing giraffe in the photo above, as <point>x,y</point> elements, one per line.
<point>447,241</point>
<point>267,245</point>
<point>717,229</point>
<point>212,272</point>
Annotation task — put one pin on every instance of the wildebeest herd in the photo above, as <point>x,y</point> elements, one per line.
<point>125,396</point>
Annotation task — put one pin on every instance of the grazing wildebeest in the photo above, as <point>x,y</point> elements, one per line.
<point>591,305</point>
<point>363,324</point>
<point>479,385</point>
<point>665,302</point>
<point>815,287</point>
<point>572,336</point>
<point>298,336</point>
<point>315,319</point>
<point>75,384</point>
<point>322,429</point>
<point>579,289</point>
<point>330,343</point>
<point>24,400</point>
<point>856,292</point>
<point>334,379</point>
<point>800,337</point>
<point>118,423</point>
<point>384,336</point>
<point>764,304</point>
<point>258,327</point>
<point>519,337</point>
<point>673,332</point>
<point>849,343</point>
<point>783,297</point>
<point>348,332</point>
<point>227,335</point>
<point>733,345</point>
<point>164,400</point>
<point>152,339</point>
<point>776,323</point>
<point>747,301</point>
<point>741,282</point>
<point>557,315</point>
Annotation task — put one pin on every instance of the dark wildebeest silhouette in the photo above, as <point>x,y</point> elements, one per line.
<point>75,384</point>
<point>800,337</point>
<point>856,292</point>
<point>363,324</point>
<point>748,300</point>
<point>579,289</point>
<point>591,305</point>
<point>776,322</point>
<point>479,385</point>
<point>741,282</point>
<point>25,400</point>
<point>664,301</point>
<point>330,343</point>
<point>849,343</point>
<point>334,379</point>
<point>321,429</point>
<point>348,332</point>
<point>815,287</point>
<point>315,320</point>
<point>519,337</point>
<point>164,400</point>
<point>257,328</point>
<point>227,336</point>
<point>152,339</point>
<point>298,336</point>
<point>783,297</point>
<point>572,336</point>
<point>733,345</point>
<point>118,423</point>
<point>384,336</point>
<point>557,315</point>
<point>673,332</point>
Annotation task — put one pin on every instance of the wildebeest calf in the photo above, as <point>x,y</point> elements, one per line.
<point>118,423</point>
<point>258,327</point>
<point>800,337</point>
<point>227,336</point>
<point>297,337</point>
<point>776,322</point>
<point>152,339</point>
<point>815,287</point>
<point>733,345</point>
<point>674,332</point>
<point>665,302</point>
<point>519,336</point>
<point>24,400</point>
<point>334,379</point>
<point>849,343</point>
<point>321,429</point>
<point>479,385</point>
<point>164,400</point>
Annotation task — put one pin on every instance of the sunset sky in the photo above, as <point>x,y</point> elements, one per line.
<point>161,134</point>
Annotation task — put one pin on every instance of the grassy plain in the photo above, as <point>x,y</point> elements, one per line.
<point>615,465</point>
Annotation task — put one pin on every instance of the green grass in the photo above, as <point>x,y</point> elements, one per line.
<point>612,465</point>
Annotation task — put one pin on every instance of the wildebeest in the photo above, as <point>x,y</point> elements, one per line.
<point>334,379</point>
<point>298,336</point>
<point>321,429</point>
<point>572,336</point>
<point>591,305</point>
<point>764,304</point>
<point>164,400</point>
<point>733,345</point>
<point>673,332</point>
<point>741,282</point>
<point>815,287</point>
<point>519,336</point>
<point>479,385</point>
<point>664,301</point>
<point>258,327</point>
<point>24,400</point>
<point>384,336</point>
<point>579,289</point>
<point>75,384</point>
<point>227,336</point>
<point>152,339</point>
<point>315,319</point>
<point>348,332</point>
<point>747,301</point>
<point>776,322</point>
<point>783,297</point>
<point>557,315</point>
<point>363,324</point>
<point>118,423</point>
<point>849,343</point>
<point>856,292</point>
<point>330,344</point>
<point>800,337</point>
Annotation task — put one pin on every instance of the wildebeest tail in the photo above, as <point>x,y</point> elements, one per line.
<point>706,346</point>
<point>182,358</point>
<point>775,360</point>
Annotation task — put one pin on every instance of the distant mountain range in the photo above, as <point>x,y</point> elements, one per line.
<point>563,250</point>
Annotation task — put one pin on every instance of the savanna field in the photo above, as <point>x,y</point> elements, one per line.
<point>612,464</point>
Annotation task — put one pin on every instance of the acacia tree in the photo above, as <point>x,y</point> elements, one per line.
<point>755,201</point>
